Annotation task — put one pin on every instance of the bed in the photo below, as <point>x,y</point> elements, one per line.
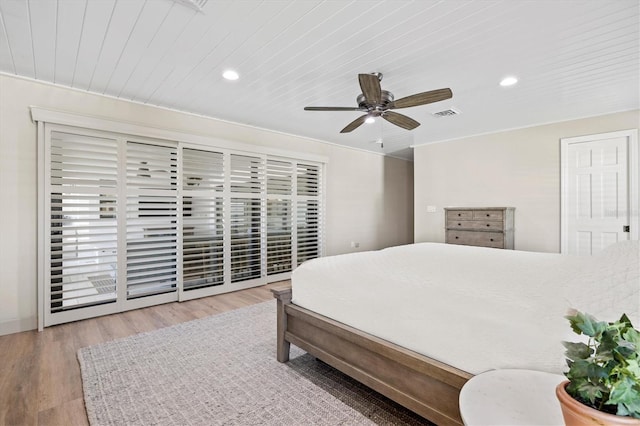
<point>416,322</point>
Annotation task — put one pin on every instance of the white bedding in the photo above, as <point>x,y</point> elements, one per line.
<point>474,308</point>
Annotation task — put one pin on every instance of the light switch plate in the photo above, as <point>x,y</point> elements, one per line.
<point>431,209</point>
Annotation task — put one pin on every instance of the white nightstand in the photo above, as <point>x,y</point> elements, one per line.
<point>511,397</point>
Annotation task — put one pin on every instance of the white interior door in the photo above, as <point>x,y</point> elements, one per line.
<point>599,191</point>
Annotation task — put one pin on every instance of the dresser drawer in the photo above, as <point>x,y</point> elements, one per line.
<point>475,225</point>
<point>459,214</point>
<point>487,215</point>
<point>470,238</point>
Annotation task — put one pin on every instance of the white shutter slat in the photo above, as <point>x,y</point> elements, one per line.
<point>98,173</point>
<point>143,259</point>
<point>80,160</point>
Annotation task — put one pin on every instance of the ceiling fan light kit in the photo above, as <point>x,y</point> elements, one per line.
<point>376,102</point>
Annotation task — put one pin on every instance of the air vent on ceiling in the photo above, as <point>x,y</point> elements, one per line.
<point>197,5</point>
<point>446,112</point>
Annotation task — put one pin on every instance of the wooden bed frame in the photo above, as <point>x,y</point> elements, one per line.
<point>421,384</point>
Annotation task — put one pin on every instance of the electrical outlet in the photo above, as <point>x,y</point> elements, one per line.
<point>431,209</point>
<point>355,244</point>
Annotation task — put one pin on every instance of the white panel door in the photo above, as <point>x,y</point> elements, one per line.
<point>597,196</point>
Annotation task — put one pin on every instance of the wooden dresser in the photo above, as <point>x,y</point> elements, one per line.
<point>480,226</point>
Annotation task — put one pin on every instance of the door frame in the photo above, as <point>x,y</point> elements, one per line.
<point>633,161</point>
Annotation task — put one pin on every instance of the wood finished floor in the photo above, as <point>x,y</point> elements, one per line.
<point>40,381</point>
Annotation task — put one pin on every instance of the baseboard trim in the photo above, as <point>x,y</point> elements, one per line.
<point>17,326</point>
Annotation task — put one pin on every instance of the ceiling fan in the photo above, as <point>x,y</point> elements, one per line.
<point>376,102</point>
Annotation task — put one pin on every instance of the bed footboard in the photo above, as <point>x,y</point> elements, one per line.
<point>423,385</point>
<point>283,294</point>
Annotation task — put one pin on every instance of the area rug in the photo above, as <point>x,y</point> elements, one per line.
<point>221,370</point>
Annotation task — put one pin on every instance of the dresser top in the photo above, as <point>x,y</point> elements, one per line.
<point>479,208</point>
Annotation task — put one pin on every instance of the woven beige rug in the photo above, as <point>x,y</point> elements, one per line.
<point>222,370</point>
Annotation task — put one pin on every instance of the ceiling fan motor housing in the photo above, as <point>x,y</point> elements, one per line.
<point>385,103</point>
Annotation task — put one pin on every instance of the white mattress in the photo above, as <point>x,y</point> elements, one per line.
<point>474,308</point>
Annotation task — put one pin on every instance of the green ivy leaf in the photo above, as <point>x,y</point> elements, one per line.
<point>579,370</point>
<point>625,349</point>
<point>582,323</point>
<point>626,395</point>
<point>624,392</point>
<point>633,367</point>
<point>609,366</point>
<point>632,409</point>
<point>608,342</point>
<point>623,410</point>
<point>594,328</point>
<point>577,350</point>
<point>625,320</point>
<point>597,372</point>
<point>590,392</point>
<point>632,336</point>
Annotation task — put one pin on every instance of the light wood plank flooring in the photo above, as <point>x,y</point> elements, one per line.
<point>40,380</point>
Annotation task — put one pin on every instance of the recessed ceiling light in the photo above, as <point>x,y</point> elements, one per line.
<point>370,120</point>
<point>508,81</point>
<point>230,75</point>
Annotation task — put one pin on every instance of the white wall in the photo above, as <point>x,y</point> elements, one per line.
<point>518,168</point>
<point>369,197</point>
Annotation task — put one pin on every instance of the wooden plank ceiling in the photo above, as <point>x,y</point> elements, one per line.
<point>573,58</point>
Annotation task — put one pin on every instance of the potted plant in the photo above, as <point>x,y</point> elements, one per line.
<point>604,373</point>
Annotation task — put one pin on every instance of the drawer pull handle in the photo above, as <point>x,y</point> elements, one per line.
<point>491,239</point>
<point>456,238</point>
<point>488,224</point>
<point>459,224</point>
<point>488,215</point>
<point>459,214</point>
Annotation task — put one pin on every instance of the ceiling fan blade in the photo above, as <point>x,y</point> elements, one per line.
<point>423,98</point>
<point>355,124</point>
<point>370,85</point>
<point>309,108</point>
<point>400,120</point>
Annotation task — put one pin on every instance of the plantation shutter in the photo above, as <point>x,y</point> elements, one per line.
<point>152,214</point>
<point>128,221</point>
<point>308,217</point>
<point>203,224</point>
<point>83,227</point>
<point>247,188</point>
<point>279,216</point>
